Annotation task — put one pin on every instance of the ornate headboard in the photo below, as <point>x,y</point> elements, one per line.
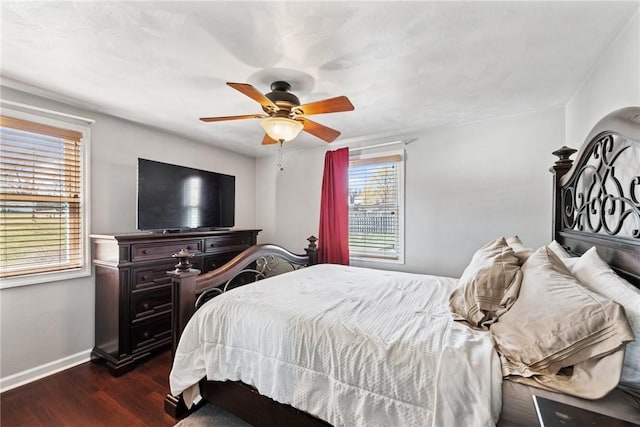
<point>597,197</point>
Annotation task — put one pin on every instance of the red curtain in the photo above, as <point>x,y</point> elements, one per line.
<point>333,242</point>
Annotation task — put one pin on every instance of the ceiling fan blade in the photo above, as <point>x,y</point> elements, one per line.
<point>221,119</point>
<point>268,140</point>
<point>331,105</point>
<point>254,94</point>
<point>321,131</point>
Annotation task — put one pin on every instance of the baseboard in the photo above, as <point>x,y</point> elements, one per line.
<point>33,374</point>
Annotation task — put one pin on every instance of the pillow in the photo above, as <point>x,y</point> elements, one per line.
<point>521,251</point>
<point>488,286</point>
<point>559,250</point>
<point>596,275</point>
<point>559,335</point>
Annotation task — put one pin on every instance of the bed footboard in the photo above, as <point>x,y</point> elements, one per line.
<point>191,289</point>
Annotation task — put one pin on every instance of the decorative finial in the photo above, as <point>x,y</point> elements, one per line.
<point>183,257</point>
<point>563,153</point>
<point>312,242</point>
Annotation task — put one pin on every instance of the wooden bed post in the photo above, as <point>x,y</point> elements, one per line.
<point>183,293</point>
<point>559,169</point>
<point>312,250</point>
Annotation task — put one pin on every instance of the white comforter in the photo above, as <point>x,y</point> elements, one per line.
<point>352,346</point>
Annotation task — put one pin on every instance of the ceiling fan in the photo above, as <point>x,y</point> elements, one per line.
<point>284,117</point>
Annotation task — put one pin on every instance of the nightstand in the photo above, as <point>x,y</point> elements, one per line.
<point>557,414</point>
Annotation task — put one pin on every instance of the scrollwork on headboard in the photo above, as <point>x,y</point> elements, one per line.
<point>603,192</point>
<point>596,199</point>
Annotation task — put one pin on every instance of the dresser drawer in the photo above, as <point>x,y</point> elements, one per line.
<point>237,242</point>
<point>155,275</point>
<point>151,276</point>
<point>151,333</point>
<point>148,251</point>
<point>148,303</point>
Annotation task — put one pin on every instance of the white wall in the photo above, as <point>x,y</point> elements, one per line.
<point>53,323</point>
<point>266,187</point>
<point>470,184</point>
<point>613,84</point>
<point>465,185</point>
<point>288,209</point>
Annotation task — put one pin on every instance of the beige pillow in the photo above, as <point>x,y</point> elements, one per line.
<point>592,379</point>
<point>521,251</point>
<point>559,334</point>
<point>488,286</point>
<point>594,273</point>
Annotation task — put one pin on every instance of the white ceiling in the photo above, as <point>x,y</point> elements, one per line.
<point>406,66</point>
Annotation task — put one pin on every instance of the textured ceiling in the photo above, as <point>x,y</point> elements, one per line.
<point>406,66</point>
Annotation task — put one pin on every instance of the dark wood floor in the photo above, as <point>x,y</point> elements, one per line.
<point>87,395</point>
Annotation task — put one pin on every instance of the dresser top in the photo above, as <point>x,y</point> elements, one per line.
<point>159,235</point>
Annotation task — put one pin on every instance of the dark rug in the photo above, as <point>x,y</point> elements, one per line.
<point>211,416</point>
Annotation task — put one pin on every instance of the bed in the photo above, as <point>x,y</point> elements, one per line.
<point>403,374</point>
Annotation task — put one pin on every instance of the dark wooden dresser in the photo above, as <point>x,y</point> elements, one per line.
<point>133,293</point>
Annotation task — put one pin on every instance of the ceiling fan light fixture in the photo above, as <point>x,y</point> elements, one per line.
<point>281,129</point>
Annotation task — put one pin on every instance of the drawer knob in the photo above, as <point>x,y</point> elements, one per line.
<point>212,244</point>
<point>145,306</point>
<point>144,251</point>
<point>214,265</point>
<point>145,277</point>
<point>145,334</point>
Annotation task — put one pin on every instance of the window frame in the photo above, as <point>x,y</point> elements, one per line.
<point>401,205</point>
<point>85,204</point>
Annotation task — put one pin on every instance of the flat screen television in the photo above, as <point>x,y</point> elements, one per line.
<point>178,198</point>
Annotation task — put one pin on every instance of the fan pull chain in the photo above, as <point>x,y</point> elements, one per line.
<point>280,166</point>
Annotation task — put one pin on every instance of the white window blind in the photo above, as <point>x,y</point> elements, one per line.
<point>40,198</point>
<point>375,207</point>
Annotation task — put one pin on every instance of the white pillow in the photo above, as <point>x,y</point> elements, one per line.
<point>597,276</point>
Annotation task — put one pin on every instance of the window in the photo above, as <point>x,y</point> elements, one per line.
<point>43,218</point>
<point>376,207</point>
